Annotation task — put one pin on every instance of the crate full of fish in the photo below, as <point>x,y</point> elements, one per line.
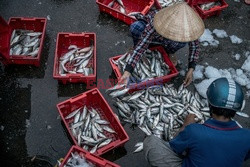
<point>165,3</point>
<point>21,40</point>
<point>77,157</point>
<point>75,58</point>
<point>155,68</point>
<point>91,123</point>
<point>125,10</point>
<point>206,10</point>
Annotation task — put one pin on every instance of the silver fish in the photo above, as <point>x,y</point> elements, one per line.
<point>242,114</point>
<point>139,147</point>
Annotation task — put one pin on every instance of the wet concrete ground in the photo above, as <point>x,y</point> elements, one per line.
<point>29,121</point>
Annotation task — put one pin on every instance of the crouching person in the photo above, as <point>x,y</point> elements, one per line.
<point>218,142</point>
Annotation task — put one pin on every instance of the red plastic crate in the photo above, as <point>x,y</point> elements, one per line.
<point>157,4</point>
<point>95,160</point>
<point>64,40</point>
<point>198,2</point>
<point>36,24</point>
<point>211,12</point>
<point>93,98</point>
<point>142,6</point>
<point>155,81</point>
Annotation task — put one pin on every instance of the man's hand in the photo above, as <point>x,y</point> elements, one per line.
<point>190,118</point>
<point>189,77</point>
<point>124,79</point>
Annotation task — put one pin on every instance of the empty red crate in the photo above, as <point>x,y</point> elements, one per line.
<point>93,98</point>
<point>155,81</point>
<point>211,12</point>
<point>141,6</point>
<point>24,23</point>
<point>95,160</point>
<point>81,40</point>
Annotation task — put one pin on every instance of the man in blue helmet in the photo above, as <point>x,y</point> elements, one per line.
<point>218,142</point>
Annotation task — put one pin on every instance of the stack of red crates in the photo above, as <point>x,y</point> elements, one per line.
<point>195,4</point>
<point>142,6</point>
<point>36,24</point>
<point>95,160</point>
<point>93,98</point>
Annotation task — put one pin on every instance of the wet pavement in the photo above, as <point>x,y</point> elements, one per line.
<point>29,121</point>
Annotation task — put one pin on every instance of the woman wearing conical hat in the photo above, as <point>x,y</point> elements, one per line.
<point>172,27</point>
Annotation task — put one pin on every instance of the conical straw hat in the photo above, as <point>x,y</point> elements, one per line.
<point>179,22</point>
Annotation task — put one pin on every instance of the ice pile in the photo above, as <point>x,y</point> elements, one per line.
<point>235,39</point>
<point>241,75</point>
<point>236,56</point>
<point>207,37</point>
<point>220,33</point>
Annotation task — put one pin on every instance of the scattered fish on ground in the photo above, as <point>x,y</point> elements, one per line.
<point>77,61</point>
<point>89,129</point>
<point>25,43</point>
<point>139,147</point>
<point>78,161</point>
<point>149,67</point>
<point>161,109</point>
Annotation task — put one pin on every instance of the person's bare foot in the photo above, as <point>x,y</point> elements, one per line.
<point>173,59</point>
<point>247,2</point>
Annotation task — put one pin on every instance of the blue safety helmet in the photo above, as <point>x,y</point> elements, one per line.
<point>225,93</point>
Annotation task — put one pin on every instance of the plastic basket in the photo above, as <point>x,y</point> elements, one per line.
<point>155,81</point>
<point>211,12</point>
<point>36,24</point>
<point>142,6</point>
<point>93,98</point>
<point>64,40</point>
<point>95,160</point>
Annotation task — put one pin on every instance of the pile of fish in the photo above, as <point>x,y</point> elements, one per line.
<point>25,42</point>
<point>210,5</point>
<point>77,59</point>
<point>78,161</point>
<point>89,130</point>
<point>160,110</point>
<point>166,3</point>
<point>151,65</point>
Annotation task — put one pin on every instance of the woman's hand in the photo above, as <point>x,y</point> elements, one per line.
<point>125,78</point>
<point>189,77</point>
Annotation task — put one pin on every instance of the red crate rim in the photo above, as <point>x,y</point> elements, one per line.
<point>89,157</point>
<point>4,49</point>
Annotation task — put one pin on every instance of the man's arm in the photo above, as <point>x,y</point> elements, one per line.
<point>194,50</point>
<point>141,47</point>
<point>192,60</point>
<point>181,141</point>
